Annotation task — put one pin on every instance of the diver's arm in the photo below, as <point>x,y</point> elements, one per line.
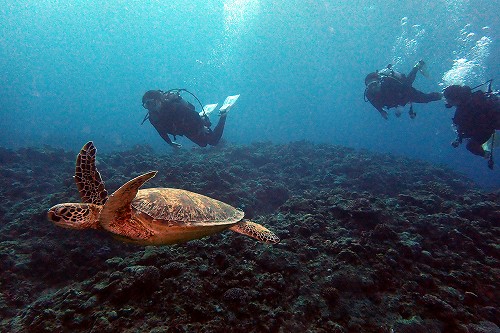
<point>383,113</point>
<point>167,140</point>
<point>157,122</point>
<point>459,138</point>
<point>380,109</point>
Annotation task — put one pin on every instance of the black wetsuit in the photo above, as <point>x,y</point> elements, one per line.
<point>178,117</point>
<point>476,119</point>
<point>394,89</point>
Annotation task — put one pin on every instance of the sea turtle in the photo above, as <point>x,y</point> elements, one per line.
<point>153,216</point>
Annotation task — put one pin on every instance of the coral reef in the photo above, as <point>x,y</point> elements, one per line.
<point>370,243</point>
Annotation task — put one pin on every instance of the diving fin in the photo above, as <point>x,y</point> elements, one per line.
<point>492,143</point>
<point>422,68</point>
<point>208,109</point>
<point>228,103</point>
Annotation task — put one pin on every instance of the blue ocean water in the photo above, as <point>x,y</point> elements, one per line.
<point>74,71</point>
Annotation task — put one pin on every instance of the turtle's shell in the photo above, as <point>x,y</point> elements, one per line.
<point>175,215</point>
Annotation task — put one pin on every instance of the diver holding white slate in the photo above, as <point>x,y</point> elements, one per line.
<point>170,114</point>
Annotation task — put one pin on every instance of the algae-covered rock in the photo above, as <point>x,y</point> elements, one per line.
<point>370,243</point>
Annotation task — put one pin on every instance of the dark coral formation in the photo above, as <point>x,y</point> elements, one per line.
<point>370,243</point>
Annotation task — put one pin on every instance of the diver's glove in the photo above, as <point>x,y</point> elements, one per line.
<point>384,114</point>
<point>457,141</point>
<point>412,113</point>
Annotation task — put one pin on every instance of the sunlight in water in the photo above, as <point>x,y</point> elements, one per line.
<point>239,12</point>
<point>238,18</point>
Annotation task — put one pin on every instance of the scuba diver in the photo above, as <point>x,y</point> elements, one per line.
<point>476,118</point>
<point>170,114</point>
<point>388,88</point>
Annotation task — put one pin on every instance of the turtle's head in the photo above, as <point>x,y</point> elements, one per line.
<point>75,215</point>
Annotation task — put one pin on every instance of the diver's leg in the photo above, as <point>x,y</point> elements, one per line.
<point>214,136</point>
<point>206,121</point>
<point>417,96</point>
<point>200,139</point>
<point>410,78</point>
<point>413,73</point>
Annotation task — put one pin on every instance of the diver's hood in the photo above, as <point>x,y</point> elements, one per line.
<point>152,94</point>
<point>457,92</point>
<point>372,77</point>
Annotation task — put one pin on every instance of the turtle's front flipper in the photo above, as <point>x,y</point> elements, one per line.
<point>255,230</point>
<point>116,213</point>
<point>87,178</point>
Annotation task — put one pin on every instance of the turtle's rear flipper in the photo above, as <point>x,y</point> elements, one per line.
<point>255,230</point>
<point>116,213</point>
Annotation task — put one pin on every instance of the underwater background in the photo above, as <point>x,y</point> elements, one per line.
<point>384,227</point>
<point>74,71</point>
